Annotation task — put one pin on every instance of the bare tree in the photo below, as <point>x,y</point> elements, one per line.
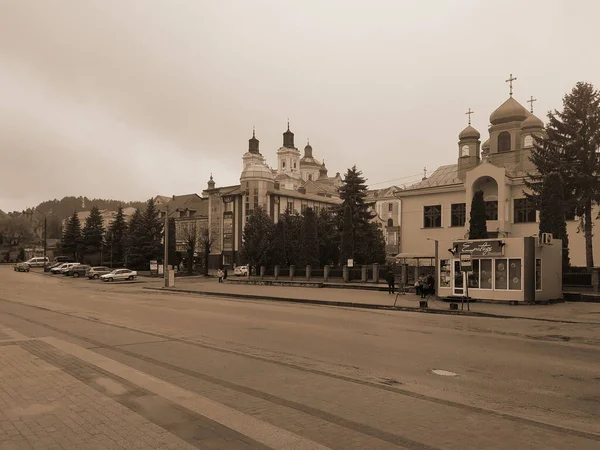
<point>187,232</point>
<point>206,242</point>
<point>15,230</point>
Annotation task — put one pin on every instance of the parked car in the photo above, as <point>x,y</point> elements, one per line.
<point>119,274</point>
<point>96,272</point>
<point>78,270</point>
<point>37,261</point>
<point>21,267</point>
<point>240,271</point>
<point>66,267</point>
<point>57,268</point>
<point>63,259</point>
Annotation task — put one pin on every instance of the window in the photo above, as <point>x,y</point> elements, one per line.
<point>459,214</point>
<point>445,273</point>
<point>432,216</point>
<point>294,164</point>
<point>538,274</point>
<point>474,274</point>
<point>283,164</point>
<point>491,210</point>
<point>485,268</point>
<point>528,141</point>
<point>390,207</point>
<point>524,210</point>
<point>391,238</point>
<point>514,274</point>
<point>255,198</point>
<point>247,206</point>
<point>504,142</point>
<point>500,275</point>
<point>290,206</point>
<point>464,151</point>
<point>310,177</point>
<point>227,260</point>
<point>390,222</point>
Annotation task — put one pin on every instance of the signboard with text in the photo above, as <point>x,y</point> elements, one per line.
<point>480,248</point>
<point>466,262</point>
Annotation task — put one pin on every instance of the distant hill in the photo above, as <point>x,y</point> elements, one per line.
<point>61,209</point>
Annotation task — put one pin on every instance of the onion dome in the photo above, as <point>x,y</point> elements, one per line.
<point>323,170</point>
<point>509,111</point>
<point>469,133</point>
<point>288,138</point>
<point>486,145</point>
<point>308,151</point>
<point>532,122</point>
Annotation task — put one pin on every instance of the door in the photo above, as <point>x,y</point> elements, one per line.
<point>459,279</point>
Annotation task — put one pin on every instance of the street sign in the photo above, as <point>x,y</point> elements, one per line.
<point>465,262</point>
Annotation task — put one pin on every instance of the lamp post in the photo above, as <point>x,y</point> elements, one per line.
<point>166,246</point>
<point>436,276</point>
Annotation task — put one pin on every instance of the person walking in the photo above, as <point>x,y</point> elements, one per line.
<point>391,280</point>
<point>220,275</point>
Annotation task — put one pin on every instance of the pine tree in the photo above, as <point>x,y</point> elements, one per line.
<point>552,213</point>
<point>310,243</point>
<point>133,241</point>
<point>329,238</point>
<point>477,222</point>
<point>257,237</point>
<point>355,215</point>
<point>373,246</point>
<point>116,237</point>
<point>571,149</point>
<point>152,233</point>
<point>93,232</point>
<point>71,242</point>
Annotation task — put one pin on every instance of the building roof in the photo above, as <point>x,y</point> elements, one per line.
<point>296,194</point>
<point>322,185</point>
<point>468,133</point>
<point>375,194</point>
<point>532,122</point>
<point>443,176</point>
<point>192,202</point>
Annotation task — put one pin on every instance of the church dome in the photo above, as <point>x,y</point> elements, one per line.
<point>509,111</point>
<point>532,122</point>
<point>469,133</point>
<point>486,144</point>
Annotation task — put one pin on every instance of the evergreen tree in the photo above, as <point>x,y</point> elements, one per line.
<point>329,238</point>
<point>172,242</point>
<point>570,148</point>
<point>477,223</point>
<point>373,245</point>
<point>116,237</point>
<point>277,253</point>
<point>71,239</point>
<point>354,216</point>
<point>347,250</point>
<point>133,241</point>
<point>310,243</point>
<point>257,237</point>
<point>151,234</point>
<point>93,232</point>
<point>552,213</point>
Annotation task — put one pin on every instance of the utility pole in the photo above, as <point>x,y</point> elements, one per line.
<point>112,238</point>
<point>436,266</point>
<point>166,255</point>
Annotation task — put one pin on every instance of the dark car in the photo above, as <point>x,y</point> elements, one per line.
<point>96,272</point>
<point>80,270</point>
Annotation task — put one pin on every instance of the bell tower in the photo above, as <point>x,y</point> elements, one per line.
<point>468,148</point>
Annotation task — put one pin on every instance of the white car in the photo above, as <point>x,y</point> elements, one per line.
<point>59,268</point>
<point>120,274</point>
<point>64,269</point>
<point>37,262</point>
<point>240,271</point>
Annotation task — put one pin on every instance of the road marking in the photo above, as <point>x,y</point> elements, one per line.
<point>245,424</point>
<point>444,373</point>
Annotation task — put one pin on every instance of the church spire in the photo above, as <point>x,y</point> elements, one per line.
<point>288,137</point>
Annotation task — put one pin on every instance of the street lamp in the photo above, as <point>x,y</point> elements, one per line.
<point>436,276</point>
<point>166,246</point>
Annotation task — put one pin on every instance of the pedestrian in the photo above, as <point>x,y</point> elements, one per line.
<point>420,285</point>
<point>220,275</point>
<point>391,279</point>
<point>224,273</point>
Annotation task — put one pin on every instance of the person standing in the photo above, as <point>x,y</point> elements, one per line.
<point>220,275</point>
<point>391,280</point>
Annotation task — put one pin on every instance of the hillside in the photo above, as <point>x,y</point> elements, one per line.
<point>63,208</point>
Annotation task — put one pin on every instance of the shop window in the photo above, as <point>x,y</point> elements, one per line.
<point>504,142</point>
<point>432,216</point>
<point>445,273</point>
<point>459,214</point>
<point>491,210</point>
<point>501,274</point>
<point>227,260</point>
<point>485,277</point>
<point>514,274</point>
<point>474,275</point>
<point>524,210</point>
<point>538,274</point>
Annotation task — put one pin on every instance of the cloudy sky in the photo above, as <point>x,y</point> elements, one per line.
<point>131,98</point>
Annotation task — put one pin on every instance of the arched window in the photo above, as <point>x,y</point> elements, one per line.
<point>504,142</point>
<point>528,141</point>
<point>390,222</point>
<point>310,177</point>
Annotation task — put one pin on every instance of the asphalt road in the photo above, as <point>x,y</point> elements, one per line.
<point>344,378</point>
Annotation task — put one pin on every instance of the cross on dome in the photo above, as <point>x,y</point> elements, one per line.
<point>468,113</point>
<point>530,101</point>
<point>510,83</point>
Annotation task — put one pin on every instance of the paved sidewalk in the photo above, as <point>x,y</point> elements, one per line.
<point>55,395</point>
<point>570,312</point>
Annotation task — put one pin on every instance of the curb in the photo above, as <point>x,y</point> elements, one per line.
<point>356,305</point>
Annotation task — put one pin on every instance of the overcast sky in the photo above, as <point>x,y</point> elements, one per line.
<point>128,99</point>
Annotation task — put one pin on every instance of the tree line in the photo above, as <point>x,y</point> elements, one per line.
<point>317,238</point>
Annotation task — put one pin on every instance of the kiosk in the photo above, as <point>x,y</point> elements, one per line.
<point>525,269</point>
